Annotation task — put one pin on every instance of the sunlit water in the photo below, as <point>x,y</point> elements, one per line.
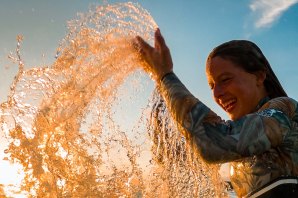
<point>93,125</point>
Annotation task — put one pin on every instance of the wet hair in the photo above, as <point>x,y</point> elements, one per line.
<point>248,56</point>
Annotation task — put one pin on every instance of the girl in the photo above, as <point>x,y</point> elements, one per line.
<point>260,140</point>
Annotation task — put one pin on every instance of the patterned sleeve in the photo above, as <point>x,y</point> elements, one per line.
<point>218,141</point>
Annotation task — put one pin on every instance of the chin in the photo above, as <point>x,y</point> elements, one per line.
<point>233,117</point>
<point>236,117</point>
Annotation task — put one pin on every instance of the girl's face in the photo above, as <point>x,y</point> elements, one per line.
<point>235,90</point>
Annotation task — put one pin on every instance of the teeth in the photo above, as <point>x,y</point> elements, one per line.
<point>228,103</point>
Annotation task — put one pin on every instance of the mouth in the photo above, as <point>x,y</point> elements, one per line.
<point>229,105</point>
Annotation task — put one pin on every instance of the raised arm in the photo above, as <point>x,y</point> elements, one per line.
<point>216,140</point>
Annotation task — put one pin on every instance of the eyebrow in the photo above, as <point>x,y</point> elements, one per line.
<point>224,74</point>
<point>220,76</point>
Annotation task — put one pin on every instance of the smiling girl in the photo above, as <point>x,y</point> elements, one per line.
<point>261,139</point>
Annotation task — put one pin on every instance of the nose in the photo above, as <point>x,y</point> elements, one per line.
<point>218,91</point>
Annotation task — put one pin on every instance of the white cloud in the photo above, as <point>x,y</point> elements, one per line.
<point>269,11</point>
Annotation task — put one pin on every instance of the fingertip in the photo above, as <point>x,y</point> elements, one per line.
<point>157,32</point>
<point>140,40</point>
<point>136,41</point>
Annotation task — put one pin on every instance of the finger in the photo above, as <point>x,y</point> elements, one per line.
<point>143,46</point>
<point>159,40</point>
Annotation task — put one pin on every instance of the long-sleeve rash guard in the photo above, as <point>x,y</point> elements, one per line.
<point>261,146</point>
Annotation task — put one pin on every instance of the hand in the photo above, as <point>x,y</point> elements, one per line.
<point>158,59</point>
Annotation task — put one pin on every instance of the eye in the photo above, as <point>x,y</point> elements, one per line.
<point>226,79</point>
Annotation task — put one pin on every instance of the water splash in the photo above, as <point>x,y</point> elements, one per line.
<point>81,127</point>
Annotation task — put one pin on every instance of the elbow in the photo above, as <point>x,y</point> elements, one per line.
<point>211,161</point>
<point>218,156</point>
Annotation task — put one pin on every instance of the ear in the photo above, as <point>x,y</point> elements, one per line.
<point>261,76</point>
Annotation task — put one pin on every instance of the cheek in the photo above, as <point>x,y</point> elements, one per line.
<point>237,89</point>
<point>216,100</point>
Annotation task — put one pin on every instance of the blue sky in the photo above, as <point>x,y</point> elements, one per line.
<point>191,28</point>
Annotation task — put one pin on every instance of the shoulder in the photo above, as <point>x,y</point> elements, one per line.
<point>286,105</point>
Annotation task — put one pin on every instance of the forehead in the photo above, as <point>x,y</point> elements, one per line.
<point>217,66</point>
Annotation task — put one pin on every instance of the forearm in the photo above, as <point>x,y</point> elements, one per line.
<point>196,119</point>
<point>181,102</point>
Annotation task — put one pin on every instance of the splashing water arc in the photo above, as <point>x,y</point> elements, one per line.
<point>86,126</point>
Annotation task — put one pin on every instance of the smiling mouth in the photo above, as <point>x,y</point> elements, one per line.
<point>229,105</point>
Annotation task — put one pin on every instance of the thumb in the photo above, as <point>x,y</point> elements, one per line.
<point>142,46</point>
